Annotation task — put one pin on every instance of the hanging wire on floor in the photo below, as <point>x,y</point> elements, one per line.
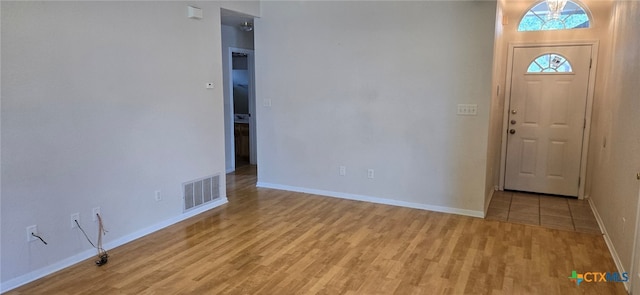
<point>102,253</point>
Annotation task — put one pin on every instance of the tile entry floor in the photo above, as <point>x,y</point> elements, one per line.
<point>544,210</point>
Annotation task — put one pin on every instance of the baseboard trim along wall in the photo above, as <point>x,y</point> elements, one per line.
<point>369,199</point>
<point>39,273</point>
<point>488,202</point>
<point>612,250</point>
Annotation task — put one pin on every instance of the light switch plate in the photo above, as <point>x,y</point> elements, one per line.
<point>467,110</point>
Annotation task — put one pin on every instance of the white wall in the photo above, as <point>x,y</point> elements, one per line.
<point>614,155</point>
<point>103,103</point>
<point>375,85</point>
<point>494,140</point>
<point>232,36</point>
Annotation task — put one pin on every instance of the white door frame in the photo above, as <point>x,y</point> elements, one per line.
<point>635,256</point>
<point>252,105</point>
<point>590,90</point>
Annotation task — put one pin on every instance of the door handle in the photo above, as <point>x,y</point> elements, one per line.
<point>512,131</point>
<point>514,111</point>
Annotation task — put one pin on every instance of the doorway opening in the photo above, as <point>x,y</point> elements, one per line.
<point>243,106</point>
<point>239,89</point>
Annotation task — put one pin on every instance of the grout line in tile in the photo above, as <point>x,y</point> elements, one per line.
<point>509,211</point>
<point>573,222</point>
<point>539,213</point>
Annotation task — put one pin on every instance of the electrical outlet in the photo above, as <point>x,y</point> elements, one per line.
<point>158,197</point>
<point>343,170</point>
<point>74,217</point>
<point>370,174</point>
<point>32,230</point>
<point>95,213</point>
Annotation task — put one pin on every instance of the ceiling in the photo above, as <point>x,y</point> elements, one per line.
<point>232,18</point>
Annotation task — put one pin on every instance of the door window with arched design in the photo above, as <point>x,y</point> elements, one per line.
<point>571,15</point>
<point>550,63</point>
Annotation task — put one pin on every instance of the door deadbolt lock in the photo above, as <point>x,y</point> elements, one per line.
<point>513,122</point>
<point>514,112</point>
<point>512,131</point>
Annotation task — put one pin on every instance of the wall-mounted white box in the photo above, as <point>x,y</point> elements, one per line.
<point>194,12</point>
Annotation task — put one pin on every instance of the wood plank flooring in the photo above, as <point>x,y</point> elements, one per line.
<point>274,242</point>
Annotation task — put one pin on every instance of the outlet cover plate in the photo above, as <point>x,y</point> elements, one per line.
<point>74,217</point>
<point>370,174</point>
<point>31,229</point>
<point>343,170</point>
<point>95,212</point>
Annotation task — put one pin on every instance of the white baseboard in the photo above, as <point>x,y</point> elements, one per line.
<point>369,199</point>
<point>605,234</point>
<point>47,270</point>
<point>486,204</point>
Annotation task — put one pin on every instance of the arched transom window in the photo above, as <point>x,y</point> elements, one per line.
<point>554,15</point>
<point>550,63</point>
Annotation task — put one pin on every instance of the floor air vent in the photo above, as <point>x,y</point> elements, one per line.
<point>201,191</point>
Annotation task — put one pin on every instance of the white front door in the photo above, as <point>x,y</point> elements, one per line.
<point>547,103</point>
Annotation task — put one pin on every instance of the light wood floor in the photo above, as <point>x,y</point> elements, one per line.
<point>274,242</point>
